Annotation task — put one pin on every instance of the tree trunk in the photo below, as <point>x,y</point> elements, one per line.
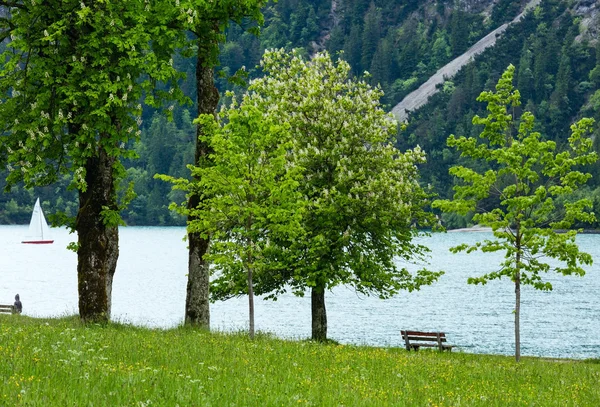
<point>197,309</point>
<point>251,302</point>
<point>518,297</point>
<point>517,316</point>
<point>319,314</point>
<point>98,244</point>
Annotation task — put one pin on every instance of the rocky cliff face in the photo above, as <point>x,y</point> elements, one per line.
<point>589,11</point>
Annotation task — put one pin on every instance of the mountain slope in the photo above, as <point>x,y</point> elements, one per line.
<point>419,97</point>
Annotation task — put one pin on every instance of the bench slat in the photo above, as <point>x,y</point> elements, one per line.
<point>8,309</point>
<point>421,338</point>
<point>419,333</point>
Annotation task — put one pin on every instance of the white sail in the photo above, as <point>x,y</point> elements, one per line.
<point>39,232</point>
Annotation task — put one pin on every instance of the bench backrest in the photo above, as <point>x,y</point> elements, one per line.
<point>437,337</point>
<point>423,336</point>
<point>8,309</point>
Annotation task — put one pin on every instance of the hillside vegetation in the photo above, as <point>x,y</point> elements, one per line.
<point>59,362</point>
<point>401,44</point>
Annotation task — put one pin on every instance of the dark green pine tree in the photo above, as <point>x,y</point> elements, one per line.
<point>560,108</point>
<point>459,33</point>
<point>595,73</point>
<point>297,22</point>
<point>275,35</point>
<point>525,80</point>
<point>310,32</point>
<point>383,66</point>
<point>541,58</point>
<point>352,49</point>
<point>370,36</point>
<point>336,40</point>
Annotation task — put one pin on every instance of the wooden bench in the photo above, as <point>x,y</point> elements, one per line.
<point>413,340</point>
<point>7,309</point>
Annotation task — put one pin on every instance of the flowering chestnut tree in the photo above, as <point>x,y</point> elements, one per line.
<point>72,78</point>
<point>362,196</point>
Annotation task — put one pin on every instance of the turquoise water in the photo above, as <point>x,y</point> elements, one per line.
<point>150,282</point>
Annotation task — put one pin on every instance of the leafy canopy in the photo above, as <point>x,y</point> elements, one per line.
<point>72,78</point>
<point>362,196</point>
<point>526,177</point>
<point>250,198</point>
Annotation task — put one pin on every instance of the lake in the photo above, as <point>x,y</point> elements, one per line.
<point>150,285</point>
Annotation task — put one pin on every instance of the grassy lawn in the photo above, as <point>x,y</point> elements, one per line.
<point>59,362</point>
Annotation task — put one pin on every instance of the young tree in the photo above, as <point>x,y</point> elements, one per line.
<point>71,81</point>
<point>207,21</point>
<point>363,201</point>
<point>526,176</point>
<point>250,198</point>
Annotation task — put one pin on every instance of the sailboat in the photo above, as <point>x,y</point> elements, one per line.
<point>39,232</point>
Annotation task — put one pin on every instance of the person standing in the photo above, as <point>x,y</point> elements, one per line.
<point>18,305</point>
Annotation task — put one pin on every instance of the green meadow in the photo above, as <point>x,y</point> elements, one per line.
<point>60,362</point>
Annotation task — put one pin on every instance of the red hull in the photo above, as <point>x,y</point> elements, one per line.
<point>39,242</point>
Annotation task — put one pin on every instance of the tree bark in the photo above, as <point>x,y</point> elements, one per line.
<point>517,316</point>
<point>319,314</point>
<point>98,244</point>
<point>197,309</point>
<point>251,302</point>
<point>518,297</point>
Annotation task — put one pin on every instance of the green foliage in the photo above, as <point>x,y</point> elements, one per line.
<point>526,176</point>
<point>364,203</point>
<point>72,80</point>
<point>249,197</point>
<point>552,74</point>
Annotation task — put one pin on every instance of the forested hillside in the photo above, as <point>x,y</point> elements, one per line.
<point>557,74</point>
<point>400,43</point>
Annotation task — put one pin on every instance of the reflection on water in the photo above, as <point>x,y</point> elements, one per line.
<point>150,283</point>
